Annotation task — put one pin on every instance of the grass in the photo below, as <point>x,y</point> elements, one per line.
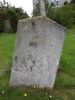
<point>64,88</point>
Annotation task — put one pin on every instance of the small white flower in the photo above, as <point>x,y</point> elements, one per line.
<point>46,93</point>
<point>25,94</point>
<point>3,92</point>
<point>50,96</point>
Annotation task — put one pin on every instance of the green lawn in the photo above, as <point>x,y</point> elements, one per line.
<point>64,88</point>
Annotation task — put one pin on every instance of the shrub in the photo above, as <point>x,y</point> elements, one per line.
<point>1,26</point>
<point>13,15</point>
<point>64,15</point>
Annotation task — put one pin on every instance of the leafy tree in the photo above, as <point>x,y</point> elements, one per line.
<point>73,1</point>
<point>14,15</point>
<point>11,13</point>
<point>36,11</point>
<point>64,15</point>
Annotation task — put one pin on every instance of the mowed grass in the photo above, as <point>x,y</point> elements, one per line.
<point>64,88</point>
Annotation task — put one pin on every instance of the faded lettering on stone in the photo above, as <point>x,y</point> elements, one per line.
<point>36,60</point>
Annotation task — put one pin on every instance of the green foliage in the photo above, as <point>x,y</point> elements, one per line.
<point>1,26</point>
<point>73,1</point>
<point>64,15</point>
<point>13,14</point>
<point>36,11</point>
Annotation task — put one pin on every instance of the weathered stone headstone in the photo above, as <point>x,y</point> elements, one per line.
<point>37,52</point>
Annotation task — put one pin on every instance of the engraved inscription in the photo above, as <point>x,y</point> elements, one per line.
<point>33,44</point>
<point>27,64</point>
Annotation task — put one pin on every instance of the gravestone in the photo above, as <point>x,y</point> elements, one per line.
<point>7,26</point>
<point>37,53</point>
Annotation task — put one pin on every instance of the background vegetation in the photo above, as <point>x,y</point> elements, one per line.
<point>64,15</point>
<point>12,14</point>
